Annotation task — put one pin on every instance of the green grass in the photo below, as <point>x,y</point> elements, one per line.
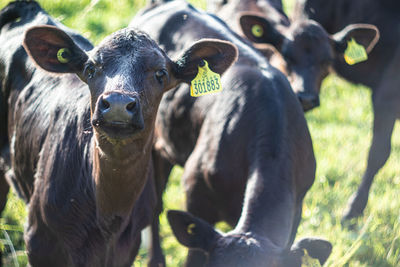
<point>341,131</point>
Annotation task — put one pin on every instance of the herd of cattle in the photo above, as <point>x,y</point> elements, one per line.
<point>89,135</point>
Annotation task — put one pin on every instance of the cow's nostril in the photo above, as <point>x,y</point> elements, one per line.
<point>105,104</point>
<point>131,106</point>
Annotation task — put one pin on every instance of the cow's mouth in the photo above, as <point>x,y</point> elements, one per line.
<point>118,129</point>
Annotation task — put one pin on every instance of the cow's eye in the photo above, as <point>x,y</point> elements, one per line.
<point>160,74</point>
<point>90,71</point>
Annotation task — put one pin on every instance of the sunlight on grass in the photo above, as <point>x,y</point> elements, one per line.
<point>11,231</point>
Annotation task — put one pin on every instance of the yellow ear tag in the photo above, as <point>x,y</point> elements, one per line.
<point>257,30</point>
<point>355,53</point>
<point>307,261</point>
<point>205,82</point>
<point>190,228</point>
<point>62,55</point>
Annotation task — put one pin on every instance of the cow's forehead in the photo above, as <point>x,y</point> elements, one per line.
<point>309,30</point>
<point>127,38</point>
<point>128,50</point>
<point>123,43</point>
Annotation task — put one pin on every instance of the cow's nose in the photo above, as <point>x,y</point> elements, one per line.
<point>308,101</point>
<point>118,108</point>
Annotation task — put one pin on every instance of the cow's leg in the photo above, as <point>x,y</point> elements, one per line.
<point>199,208</point>
<point>4,188</point>
<point>4,166</point>
<point>384,119</point>
<point>162,169</point>
<point>4,154</point>
<point>199,202</point>
<point>43,248</point>
<point>156,256</point>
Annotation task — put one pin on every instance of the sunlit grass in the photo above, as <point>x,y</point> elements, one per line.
<point>341,131</point>
<point>341,135</point>
<point>11,230</point>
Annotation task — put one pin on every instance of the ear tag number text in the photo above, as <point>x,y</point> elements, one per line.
<point>205,82</point>
<point>355,53</point>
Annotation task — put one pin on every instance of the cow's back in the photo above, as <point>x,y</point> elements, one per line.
<point>255,118</point>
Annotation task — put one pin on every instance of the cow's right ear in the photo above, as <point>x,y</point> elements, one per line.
<point>192,232</point>
<point>53,50</point>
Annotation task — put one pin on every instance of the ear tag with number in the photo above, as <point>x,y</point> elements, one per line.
<point>307,261</point>
<point>63,55</point>
<point>205,82</point>
<point>190,228</point>
<point>257,30</point>
<point>355,53</point>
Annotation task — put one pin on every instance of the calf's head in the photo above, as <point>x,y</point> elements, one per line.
<point>126,74</point>
<point>243,249</point>
<point>307,49</point>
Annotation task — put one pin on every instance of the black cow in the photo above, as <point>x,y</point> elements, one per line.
<point>80,141</point>
<point>306,50</point>
<point>246,151</point>
<point>379,72</point>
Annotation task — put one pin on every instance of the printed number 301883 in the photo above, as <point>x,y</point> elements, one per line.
<point>205,82</point>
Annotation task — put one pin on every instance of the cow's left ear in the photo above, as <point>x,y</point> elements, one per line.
<point>260,30</point>
<point>366,35</point>
<point>192,232</point>
<point>53,50</point>
<point>219,54</point>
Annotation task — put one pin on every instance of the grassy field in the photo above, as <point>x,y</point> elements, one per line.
<point>341,131</point>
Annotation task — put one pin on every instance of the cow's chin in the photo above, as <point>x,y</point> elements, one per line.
<point>117,132</point>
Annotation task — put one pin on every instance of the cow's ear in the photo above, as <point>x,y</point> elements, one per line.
<point>53,50</point>
<point>192,232</point>
<point>315,248</point>
<point>260,30</point>
<point>219,54</point>
<point>366,35</point>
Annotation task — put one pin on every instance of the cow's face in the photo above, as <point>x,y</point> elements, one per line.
<point>307,50</point>
<point>241,249</point>
<point>126,74</point>
<point>308,55</point>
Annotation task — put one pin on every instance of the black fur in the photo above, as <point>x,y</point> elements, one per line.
<point>379,72</point>
<point>247,146</point>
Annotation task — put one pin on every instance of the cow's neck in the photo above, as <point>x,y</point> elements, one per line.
<point>267,208</point>
<point>120,173</point>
